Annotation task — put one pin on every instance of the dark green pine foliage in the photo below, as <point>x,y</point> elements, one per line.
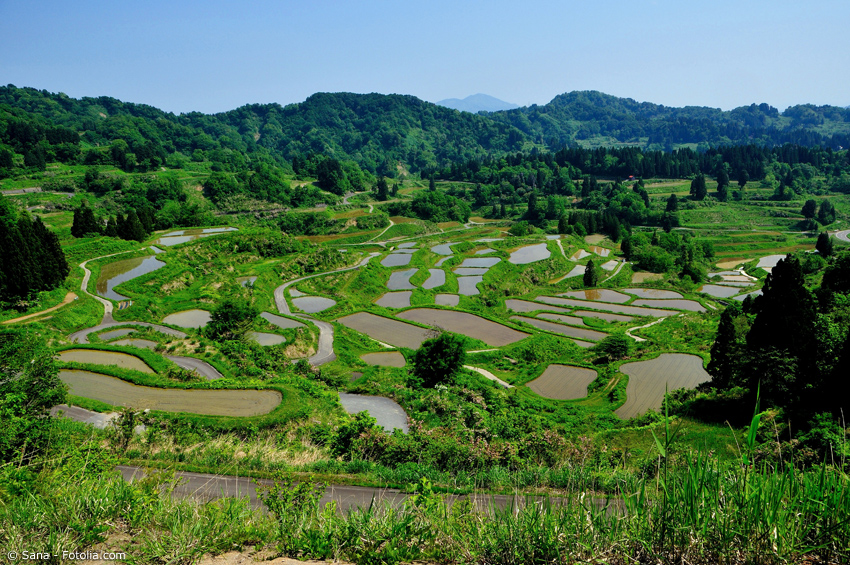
<point>563,224</point>
<point>438,360</point>
<point>698,189</point>
<point>824,245</point>
<point>591,276</point>
<point>85,222</point>
<point>382,190</point>
<point>726,351</point>
<point>31,259</point>
<point>783,341</point>
<point>133,229</point>
<point>838,388</point>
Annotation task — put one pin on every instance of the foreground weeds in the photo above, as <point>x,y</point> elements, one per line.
<point>697,513</point>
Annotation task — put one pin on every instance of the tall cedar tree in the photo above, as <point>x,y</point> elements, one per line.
<point>591,277</point>
<point>783,341</point>
<point>824,245</point>
<point>382,189</point>
<point>698,189</point>
<point>726,351</point>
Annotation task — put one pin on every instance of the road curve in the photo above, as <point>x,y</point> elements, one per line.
<point>843,235</point>
<point>325,352</point>
<point>192,364</point>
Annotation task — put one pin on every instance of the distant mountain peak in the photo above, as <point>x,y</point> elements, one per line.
<point>477,103</point>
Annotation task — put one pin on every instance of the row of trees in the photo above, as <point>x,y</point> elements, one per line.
<point>133,226</point>
<point>31,259</point>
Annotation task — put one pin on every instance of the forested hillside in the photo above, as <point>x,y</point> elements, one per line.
<point>600,119</point>
<point>382,133</point>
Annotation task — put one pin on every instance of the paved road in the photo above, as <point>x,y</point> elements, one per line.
<point>205,487</point>
<point>325,352</point>
<point>843,235</point>
<point>192,364</point>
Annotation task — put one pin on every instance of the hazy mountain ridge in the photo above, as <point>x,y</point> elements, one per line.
<point>477,103</point>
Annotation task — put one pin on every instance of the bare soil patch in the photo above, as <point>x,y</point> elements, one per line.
<point>386,330</point>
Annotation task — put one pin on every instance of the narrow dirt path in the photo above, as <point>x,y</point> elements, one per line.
<point>107,305</point>
<point>192,364</point>
<point>325,352</point>
<point>487,374</point>
<point>70,297</point>
<point>639,339</point>
<point>383,232</point>
<point>617,270</point>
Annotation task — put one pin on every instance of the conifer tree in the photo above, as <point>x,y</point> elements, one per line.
<point>824,245</point>
<point>133,227</point>
<point>591,277</point>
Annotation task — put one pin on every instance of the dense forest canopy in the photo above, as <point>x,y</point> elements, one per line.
<point>381,133</point>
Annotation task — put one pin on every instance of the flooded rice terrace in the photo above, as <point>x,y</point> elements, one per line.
<point>113,274</point>
<point>110,358</point>
<point>209,402</point>
<point>530,254</point>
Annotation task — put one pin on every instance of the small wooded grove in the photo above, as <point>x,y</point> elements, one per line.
<point>31,259</point>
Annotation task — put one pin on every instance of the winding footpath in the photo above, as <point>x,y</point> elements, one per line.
<point>70,297</point>
<point>639,339</point>
<point>325,351</point>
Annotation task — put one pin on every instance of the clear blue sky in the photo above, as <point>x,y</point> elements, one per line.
<point>214,56</point>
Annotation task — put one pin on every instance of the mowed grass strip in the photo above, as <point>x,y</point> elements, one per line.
<point>114,391</point>
<point>563,382</point>
<point>648,381</point>
<point>386,330</point>
<point>476,327</point>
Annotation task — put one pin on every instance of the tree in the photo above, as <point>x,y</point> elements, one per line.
<point>591,276</point>
<point>743,178</point>
<point>722,179</point>
<point>438,360</point>
<point>331,177</point>
<point>615,346</point>
<point>382,189</point>
<point>824,245</point>
<point>534,215</point>
<point>29,388</point>
<point>826,213</point>
<point>726,350</point>
<point>231,320</point>
<point>133,229</point>
<point>698,188</point>
<point>432,186</point>
<point>809,209</point>
<point>563,224</point>
<point>672,203</point>
<point>84,223</point>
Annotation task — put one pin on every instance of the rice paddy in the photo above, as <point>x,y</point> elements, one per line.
<point>530,254</point>
<point>98,357</point>
<point>208,402</point>
<point>648,381</point>
<point>599,295</point>
<point>400,280</point>
<point>569,331</point>
<point>563,382</point>
<point>384,359</point>
<point>386,330</point>
<point>388,413</point>
<point>189,319</point>
<point>476,327</point>
<point>400,299</point>
<point>313,304</point>
<point>527,306</point>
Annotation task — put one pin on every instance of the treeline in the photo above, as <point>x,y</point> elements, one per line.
<point>323,223</point>
<point>551,172</point>
<point>790,349</point>
<point>432,205</point>
<point>133,226</point>
<point>31,259</point>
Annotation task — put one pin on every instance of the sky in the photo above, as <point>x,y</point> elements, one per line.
<point>214,56</point>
